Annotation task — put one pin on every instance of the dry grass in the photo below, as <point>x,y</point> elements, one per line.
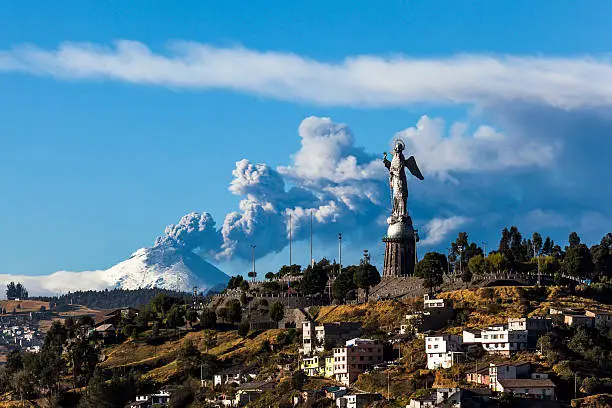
<point>26,305</point>
<point>385,314</point>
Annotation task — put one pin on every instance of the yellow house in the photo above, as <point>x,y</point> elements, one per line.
<point>329,366</point>
<point>311,366</point>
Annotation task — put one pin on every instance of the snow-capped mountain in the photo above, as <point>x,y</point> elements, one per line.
<point>160,266</point>
<point>168,268</point>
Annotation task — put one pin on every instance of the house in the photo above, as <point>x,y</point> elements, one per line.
<point>334,392</point>
<point>498,339</point>
<point>535,326</point>
<point>355,357</point>
<point>436,397</point>
<point>434,316</point>
<point>488,376</point>
<point>251,391</point>
<point>311,366</point>
<point>507,371</point>
<point>528,388</point>
<point>579,320</point>
<point>114,316</point>
<point>106,330</point>
<point>480,376</point>
<point>308,396</point>
<point>357,400</point>
<point>443,351</point>
<point>452,397</point>
<point>161,398</point>
<point>235,375</point>
<point>602,319</point>
<point>327,335</point>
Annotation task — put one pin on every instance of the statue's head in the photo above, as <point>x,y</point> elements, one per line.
<point>399,146</point>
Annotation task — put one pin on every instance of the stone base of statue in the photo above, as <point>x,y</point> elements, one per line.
<point>399,248</point>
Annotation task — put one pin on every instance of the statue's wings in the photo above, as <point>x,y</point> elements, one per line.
<point>414,169</point>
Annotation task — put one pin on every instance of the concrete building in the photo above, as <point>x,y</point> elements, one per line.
<point>528,388</point>
<point>507,371</point>
<point>579,320</point>
<point>434,316</point>
<point>452,397</point>
<point>355,357</point>
<point>443,351</point>
<point>602,319</point>
<point>251,391</point>
<point>311,366</point>
<point>498,339</point>
<point>234,375</point>
<point>358,400</point>
<point>316,338</point>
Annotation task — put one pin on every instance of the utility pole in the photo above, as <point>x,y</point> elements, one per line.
<point>416,239</point>
<point>460,247</point>
<point>538,259</point>
<point>388,385</point>
<point>340,252</point>
<point>253,255</point>
<point>484,244</point>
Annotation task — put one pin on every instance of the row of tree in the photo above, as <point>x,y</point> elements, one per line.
<point>518,254</point>
<point>16,291</point>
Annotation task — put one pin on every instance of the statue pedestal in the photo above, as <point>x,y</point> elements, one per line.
<point>399,249</point>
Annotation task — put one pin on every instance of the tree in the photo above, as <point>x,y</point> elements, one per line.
<point>188,358</point>
<point>298,380</point>
<point>243,329</point>
<point>431,268</point>
<point>84,358</point>
<point>191,316</point>
<point>208,319</point>
<point>477,265</point>
<point>270,276</point>
<point>537,242</point>
<point>234,311</point>
<point>578,262</point>
<point>97,394</point>
<point>315,278</point>
<point>602,257</point>
<point>574,240</point>
<point>209,339</point>
<point>497,261</point>
<point>547,247</point>
<point>343,284</point>
<point>466,276</point>
<point>366,276</point>
<point>289,270</point>
<point>22,383</point>
<point>277,311</point>
<point>175,317</point>
<point>16,291</point>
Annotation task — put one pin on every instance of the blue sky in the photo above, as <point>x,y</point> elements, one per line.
<point>97,157</point>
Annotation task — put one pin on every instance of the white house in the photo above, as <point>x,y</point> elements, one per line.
<point>443,351</point>
<point>498,339</point>
<point>528,388</point>
<point>358,400</point>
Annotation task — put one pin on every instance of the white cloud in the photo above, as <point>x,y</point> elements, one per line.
<point>361,80</point>
<point>437,229</point>
<point>485,149</point>
<point>62,281</point>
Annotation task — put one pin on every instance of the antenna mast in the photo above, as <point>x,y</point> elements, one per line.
<point>290,226</point>
<point>311,257</point>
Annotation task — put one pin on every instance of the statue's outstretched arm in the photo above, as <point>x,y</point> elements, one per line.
<point>386,161</point>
